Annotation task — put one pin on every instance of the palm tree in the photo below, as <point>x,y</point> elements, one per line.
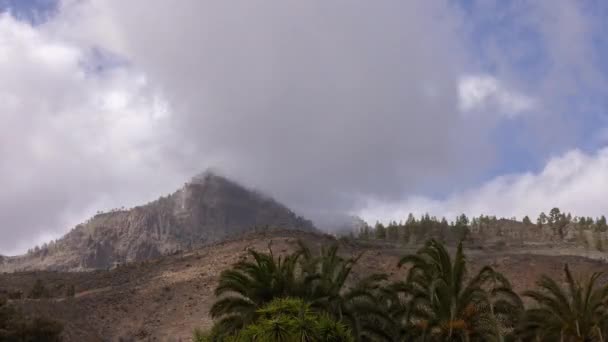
<point>506,306</point>
<point>322,280</point>
<point>250,284</point>
<point>394,300</point>
<point>578,313</point>
<point>326,287</point>
<point>444,306</point>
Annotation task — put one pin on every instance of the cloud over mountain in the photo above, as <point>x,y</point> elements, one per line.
<point>324,105</point>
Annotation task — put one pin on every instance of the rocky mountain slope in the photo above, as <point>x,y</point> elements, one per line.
<point>164,299</point>
<point>206,210</point>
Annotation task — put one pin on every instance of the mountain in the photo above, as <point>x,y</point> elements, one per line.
<point>208,209</point>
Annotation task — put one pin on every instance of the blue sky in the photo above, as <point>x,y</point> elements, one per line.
<point>32,11</point>
<point>530,64</point>
<point>376,109</point>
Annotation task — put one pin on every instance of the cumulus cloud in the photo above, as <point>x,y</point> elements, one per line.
<point>312,102</point>
<point>321,104</point>
<point>575,182</point>
<point>71,140</point>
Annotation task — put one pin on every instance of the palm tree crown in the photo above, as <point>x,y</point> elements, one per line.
<point>320,280</point>
<point>444,306</point>
<point>250,284</point>
<point>577,313</point>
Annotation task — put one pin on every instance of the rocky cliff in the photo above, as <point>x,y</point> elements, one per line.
<point>208,209</point>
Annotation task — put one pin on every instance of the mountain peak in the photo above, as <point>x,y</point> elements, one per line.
<point>209,175</point>
<point>208,209</point>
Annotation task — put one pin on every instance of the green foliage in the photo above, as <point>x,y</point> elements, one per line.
<point>320,280</point>
<point>576,313</point>
<point>601,224</point>
<point>379,231</point>
<point>307,296</point>
<point>15,327</point>
<point>462,221</point>
<point>558,221</point>
<point>554,216</point>
<point>542,219</point>
<point>586,222</point>
<point>365,232</point>
<point>290,319</point>
<point>201,336</point>
<point>446,306</point>
<point>392,232</point>
<point>526,221</point>
<point>416,230</point>
<point>252,283</point>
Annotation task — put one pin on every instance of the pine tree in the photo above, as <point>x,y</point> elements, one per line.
<point>364,234</point>
<point>379,231</point>
<point>601,224</point>
<point>542,219</point>
<point>392,232</point>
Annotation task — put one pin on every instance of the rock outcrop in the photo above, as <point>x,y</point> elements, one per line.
<point>206,210</point>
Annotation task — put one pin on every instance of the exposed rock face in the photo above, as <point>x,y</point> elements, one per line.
<point>208,209</point>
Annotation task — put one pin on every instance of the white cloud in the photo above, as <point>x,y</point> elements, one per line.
<point>300,100</point>
<point>486,93</point>
<point>70,137</point>
<point>312,102</point>
<point>576,182</point>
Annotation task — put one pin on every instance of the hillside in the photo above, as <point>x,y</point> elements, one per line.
<point>206,210</point>
<point>164,299</point>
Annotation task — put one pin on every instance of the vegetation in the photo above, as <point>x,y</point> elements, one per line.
<point>38,290</point>
<point>446,306</point>
<point>585,231</point>
<point>288,319</point>
<point>318,279</point>
<point>306,296</point>
<point>15,327</point>
<point>578,313</point>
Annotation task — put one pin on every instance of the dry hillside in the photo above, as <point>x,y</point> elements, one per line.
<point>164,299</point>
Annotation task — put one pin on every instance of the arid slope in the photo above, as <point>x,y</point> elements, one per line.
<point>164,299</point>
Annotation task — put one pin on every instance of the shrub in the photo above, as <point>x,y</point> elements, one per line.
<point>17,294</point>
<point>38,290</point>
<point>201,336</point>
<point>14,326</point>
<point>285,319</point>
<point>42,329</point>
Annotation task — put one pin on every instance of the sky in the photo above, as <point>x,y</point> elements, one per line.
<point>339,107</point>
